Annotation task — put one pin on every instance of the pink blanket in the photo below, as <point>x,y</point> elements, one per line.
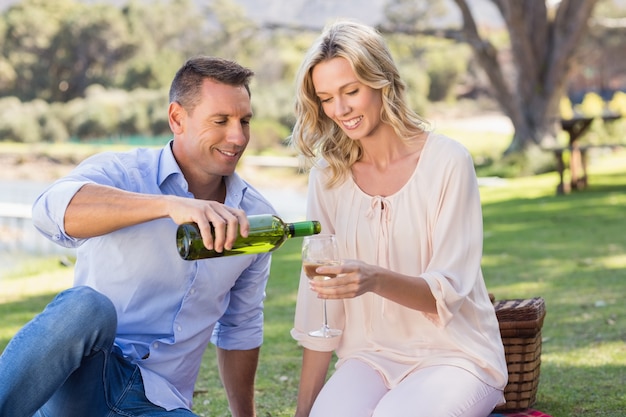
<point>524,413</point>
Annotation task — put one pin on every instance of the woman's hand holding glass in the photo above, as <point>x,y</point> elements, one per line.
<point>354,278</point>
<point>317,251</point>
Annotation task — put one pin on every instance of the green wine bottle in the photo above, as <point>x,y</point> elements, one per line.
<point>267,233</point>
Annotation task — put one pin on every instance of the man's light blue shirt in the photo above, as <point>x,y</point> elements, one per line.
<point>168,309</point>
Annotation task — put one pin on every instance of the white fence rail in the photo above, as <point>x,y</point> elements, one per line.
<point>19,239</point>
<point>18,235</point>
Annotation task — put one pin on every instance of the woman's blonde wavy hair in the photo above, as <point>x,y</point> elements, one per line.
<point>315,135</point>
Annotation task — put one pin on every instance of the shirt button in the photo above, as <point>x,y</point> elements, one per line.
<point>193,291</point>
<point>155,345</point>
<point>179,328</point>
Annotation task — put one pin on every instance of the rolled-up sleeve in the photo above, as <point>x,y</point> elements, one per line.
<point>49,208</point>
<point>241,326</point>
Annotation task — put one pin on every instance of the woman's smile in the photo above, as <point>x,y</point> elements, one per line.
<point>352,123</point>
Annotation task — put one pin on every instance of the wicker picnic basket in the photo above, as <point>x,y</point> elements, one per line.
<point>520,327</point>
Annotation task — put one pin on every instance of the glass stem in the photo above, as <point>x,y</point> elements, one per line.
<point>325,327</point>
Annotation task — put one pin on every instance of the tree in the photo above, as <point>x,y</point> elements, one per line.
<point>411,16</point>
<point>163,42</point>
<point>544,38</point>
<point>413,30</point>
<point>28,28</point>
<point>232,35</point>
<point>55,50</point>
<point>92,46</point>
<point>603,69</point>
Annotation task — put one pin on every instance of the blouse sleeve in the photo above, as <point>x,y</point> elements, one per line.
<point>454,218</point>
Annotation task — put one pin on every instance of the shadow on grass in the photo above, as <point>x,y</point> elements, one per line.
<point>577,391</point>
<point>567,246</point>
<point>573,227</point>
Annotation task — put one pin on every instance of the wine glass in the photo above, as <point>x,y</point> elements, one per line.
<point>318,250</point>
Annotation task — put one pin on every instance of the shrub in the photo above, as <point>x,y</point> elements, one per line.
<point>267,134</point>
<point>19,122</point>
<point>592,105</point>
<point>417,87</point>
<point>618,103</point>
<point>531,162</point>
<point>565,108</point>
<point>444,68</point>
<point>53,129</point>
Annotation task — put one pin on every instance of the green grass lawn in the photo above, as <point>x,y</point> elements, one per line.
<point>569,249</point>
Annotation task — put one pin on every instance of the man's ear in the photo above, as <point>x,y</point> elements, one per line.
<point>176,117</point>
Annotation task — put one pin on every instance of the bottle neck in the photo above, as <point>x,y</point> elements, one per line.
<point>306,228</point>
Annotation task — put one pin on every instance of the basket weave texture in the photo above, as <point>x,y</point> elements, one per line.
<point>520,323</point>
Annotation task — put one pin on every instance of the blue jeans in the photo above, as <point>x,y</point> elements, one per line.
<point>63,364</point>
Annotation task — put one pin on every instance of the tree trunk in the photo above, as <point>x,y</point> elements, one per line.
<point>543,46</point>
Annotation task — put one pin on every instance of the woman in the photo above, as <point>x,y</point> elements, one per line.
<point>420,336</point>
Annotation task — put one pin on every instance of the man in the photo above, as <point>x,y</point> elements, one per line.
<point>128,338</point>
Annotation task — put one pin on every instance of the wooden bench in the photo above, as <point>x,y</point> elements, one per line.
<point>575,128</point>
<point>578,163</point>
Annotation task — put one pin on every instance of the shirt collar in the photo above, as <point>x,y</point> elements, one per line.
<point>167,164</point>
<point>235,186</point>
<point>235,190</point>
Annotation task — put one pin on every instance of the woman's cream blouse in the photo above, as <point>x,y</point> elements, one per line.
<point>431,228</point>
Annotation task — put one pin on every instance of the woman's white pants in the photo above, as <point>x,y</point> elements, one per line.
<point>358,390</point>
